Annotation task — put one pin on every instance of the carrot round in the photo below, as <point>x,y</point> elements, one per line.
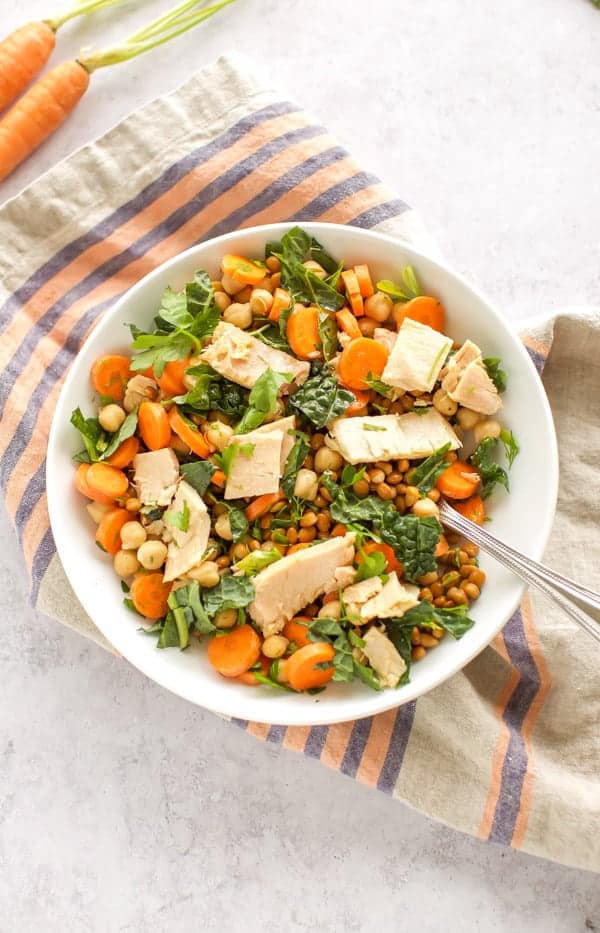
<point>109,375</point>
<point>262,504</point>
<point>235,653</point>
<point>296,630</point>
<point>365,282</point>
<point>82,486</point>
<point>348,323</point>
<point>353,292</point>
<point>124,453</point>
<point>473,509</point>
<point>22,55</point>
<point>358,359</point>
<point>149,594</point>
<point>442,547</point>
<point>153,425</point>
<point>281,300</point>
<point>108,532</point>
<point>242,270</point>
<point>392,562</point>
<point>188,433</point>
<point>302,332</point>
<point>300,669</point>
<point>218,479</point>
<point>458,481</point>
<point>424,309</point>
<point>108,480</point>
<point>248,677</point>
<point>171,381</point>
<point>359,407</point>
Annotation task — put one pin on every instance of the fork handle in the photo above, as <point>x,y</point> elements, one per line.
<point>580,603</point>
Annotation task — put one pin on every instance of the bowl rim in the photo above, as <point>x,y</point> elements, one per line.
<point>388,699</point>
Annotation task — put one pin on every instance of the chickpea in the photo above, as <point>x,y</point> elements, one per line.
<point>206,573</point>
<point>361,487</point>
<point>230,285</point>
<point>260,301</point>
<point>367,326</point>
<point>226,618</point>
<point>125,564</point>
<point>379,307</point>
<point>331,610</point>
<point>222,301</point>
<point>477,577</point>
<point>223,527</point>
<point>133,536</point>
<point>307,484</point>
<point>411,496</point>
<point>111,417</point>
<point>238,314</point>
<point>152,554</point>
<point>314,267</point>
<point>273,264</point>
<point>488,428</point>
<point>133,505</point>
<point>218,435</point>
<point>425,508</point>
<point>471,590</point>
<point>275,646</point>
<point>244,296</point>
<point>467,418</point>
<point>326,459</point>
<point>444,404</point>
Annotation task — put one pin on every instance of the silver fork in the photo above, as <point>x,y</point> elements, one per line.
<point>579,602</point>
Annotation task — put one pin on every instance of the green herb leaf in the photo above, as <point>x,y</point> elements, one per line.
<point>226,457</point>
<point>126,431</point>
<point>371,565</point>
<point>213,392</point>
<point>321,399</point>
<point>271,336</point>
<point>414,541</point>
<point>304,285</point>
<point>230,593</point>
<point>367,675</point>
<point>296,458</point>
<point>325,260</point>
<point>425,475</point>
<point>169,635</point>
<point>399,634</point>
<point>238,523</point>
<point>181,519</point>
<point>408,290</point>
<point>381,388</point>
<point>256,561</point>
<point>328,332</point>
<point>511,447</point>
<point>348,507</point>
<point>198,474</point>
<point>373,427</point>
<point>493,364</point>
<point>92,435</point>
<point>491,472</point>
<point>454,621</point>
<point>262,400</point>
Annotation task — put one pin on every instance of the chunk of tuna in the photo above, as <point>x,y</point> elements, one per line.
<point>468,353</point>
<point>359,593</point>
<point>475,390</point>
<point>386,337</point>
<point>393,601</point>
<point>290,584</point>
<point>186,548</point>
<point>256,466</point>
<point>383,657</point>
<point>155,476</point>
<point>417,357</point>
<point>242,358</point>
<point>287,426</point>
<point>391,437</point>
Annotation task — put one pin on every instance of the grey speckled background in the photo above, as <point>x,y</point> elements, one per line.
<point>123,808</point>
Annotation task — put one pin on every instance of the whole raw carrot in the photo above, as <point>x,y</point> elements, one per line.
<point>25,51</point>
<point>49,102</point>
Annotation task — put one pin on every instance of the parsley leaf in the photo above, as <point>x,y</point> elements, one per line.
<point>491,472</point>
<point>295,459</point>
<point>181,519</point>
<point>126,431</point>
<point>262,400</point>
<point>408,290</point>
<point>381,388</point>
<point>367,675</point>
<point>198,474</point>
<point>92,435</point>
<point>511,446</point>
<point>371,565</point>
<point>257,560</point>
<point>226,457</point>
<point>321,399</point>
<point>295,248</point>
<point>493,364</point>
<point>424,475</point>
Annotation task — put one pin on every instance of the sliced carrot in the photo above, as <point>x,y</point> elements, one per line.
<point>359,407</point>
<point>302,331</point>
<point>153,425</point>
<point>353,292</point>
<point>442,547</point>
<point>297,547</point>
<point>365,282</point>
<point>296,630</point>
<point>149,594</point>
<point>218,478</point>
<point>330,598</point>
<point>108,532</point>
<point>393,564</point>
<point>300,669</point>
<point>281,301</point>
<point>236,652</point>
<point>248,677</point>
<point>424,309</point>
<point>171,381</point>
<point>361,357</point>
<point>473,509</point>
<point>458,481</point>
<point>242,270</point>
<point>188,433</point>
<point>262,504</point>
<point>124,453</point>
<point>82,486</point>
<point>348,324</point>
<point>108,480</point>
<point>109,375</point>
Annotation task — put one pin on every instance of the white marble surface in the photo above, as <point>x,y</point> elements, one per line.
<point>123,808</point>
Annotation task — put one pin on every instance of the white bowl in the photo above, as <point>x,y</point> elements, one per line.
<point>523,518</point>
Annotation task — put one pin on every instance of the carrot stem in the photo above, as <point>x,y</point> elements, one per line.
<point>79,9</point>
<point>166,27</point>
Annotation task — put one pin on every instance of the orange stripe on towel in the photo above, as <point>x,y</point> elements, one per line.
<point>295,738</point>
<point>500,750</point>
<point>377,747</point>
<point>259,730</point>
<point>336,744</point>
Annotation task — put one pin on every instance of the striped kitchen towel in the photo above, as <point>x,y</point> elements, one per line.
<point>509,748</point>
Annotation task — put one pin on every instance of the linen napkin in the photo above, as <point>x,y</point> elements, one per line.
<point>508,749</point>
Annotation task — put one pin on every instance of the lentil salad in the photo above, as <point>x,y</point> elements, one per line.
<point>264,469</point>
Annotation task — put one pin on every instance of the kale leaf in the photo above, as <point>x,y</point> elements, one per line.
<point>198,474</point>
<point>321,399</point>
<point>296,458</point>
<point>454,621</point>
<point>348,508</point>
<point>213,393</point>
<point>230,593</point>
<point>303,284</point>
<point>414,541</point>
<point>491,472</point>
